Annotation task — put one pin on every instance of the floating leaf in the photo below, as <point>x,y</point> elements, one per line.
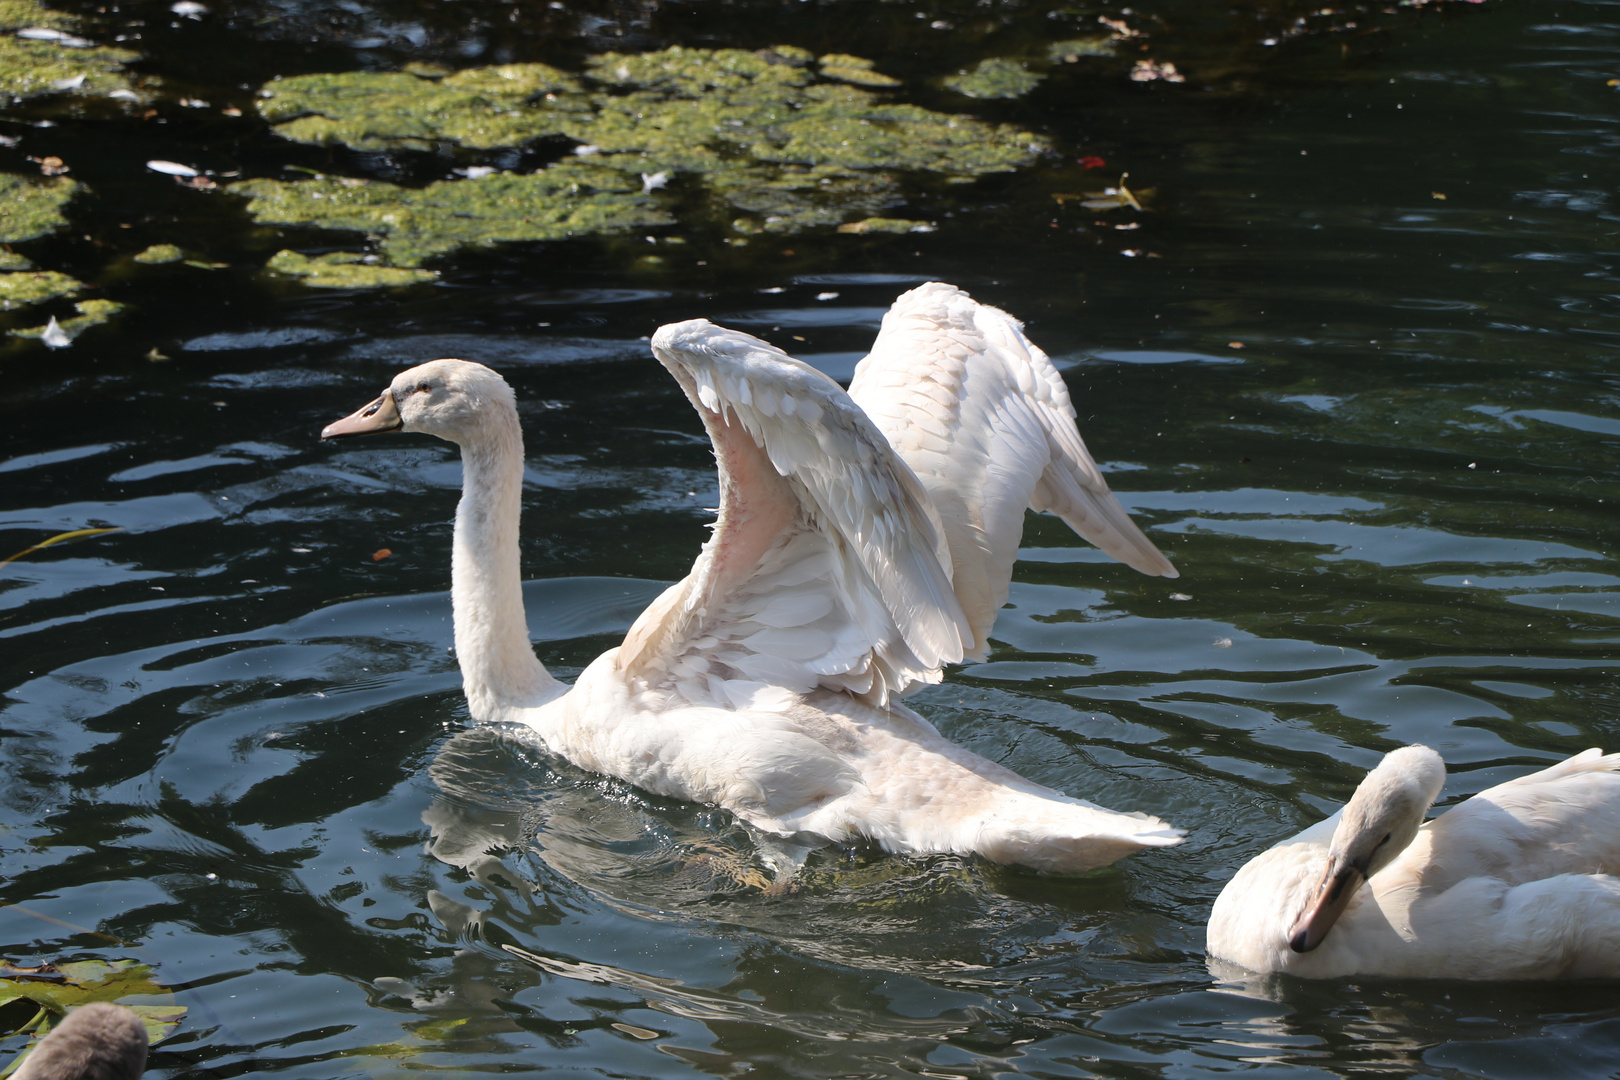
<point>36,998</point>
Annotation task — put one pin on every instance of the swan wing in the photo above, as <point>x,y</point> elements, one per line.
<point>827,567</point>
<point>1564,819</point>
<point>985,421</point>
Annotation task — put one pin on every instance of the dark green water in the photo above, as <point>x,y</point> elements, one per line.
<point>236,743</point>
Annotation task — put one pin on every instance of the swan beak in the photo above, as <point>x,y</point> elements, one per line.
<point>380,415</point>
<point>1339,883</point>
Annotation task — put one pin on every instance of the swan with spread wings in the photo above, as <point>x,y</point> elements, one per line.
<point>864,541</point>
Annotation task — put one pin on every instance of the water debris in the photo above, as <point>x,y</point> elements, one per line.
<point>1109,198</point>
<point>30,208</point>
<point>59,538</point>
<point>344,270</point>
<point>886,225</point>
<point>1153,71</point>
<point>54,336</point>
<point>61,334</point>
<point>188,9</point>
<point>653,181</point>
<point>160,253</point>
<point>61,37</point>
<point>172,168</point>
<point>51,166</point>
<point>855,69</point>
<point>995,78</point>
<point>41,54</point>
<point>380,554</point>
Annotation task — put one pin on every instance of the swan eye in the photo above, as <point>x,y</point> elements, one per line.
<point>1384,841</point>
<point>424,388</point>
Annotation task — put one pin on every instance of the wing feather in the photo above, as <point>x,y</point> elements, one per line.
<point>828,565</point>
<point>986,423</point>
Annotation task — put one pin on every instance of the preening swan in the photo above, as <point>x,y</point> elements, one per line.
<point>856,553</point>
<point>1514,883</point>
<point>96,1041</point>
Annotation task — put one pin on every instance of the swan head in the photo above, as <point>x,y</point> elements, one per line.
<point>1377,824</point>
<point>452,399</point>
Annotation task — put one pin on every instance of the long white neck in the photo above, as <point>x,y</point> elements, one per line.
<point>499,670</point>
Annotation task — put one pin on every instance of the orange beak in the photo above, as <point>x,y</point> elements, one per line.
<point>380,415</point>
<point>1327,903</point>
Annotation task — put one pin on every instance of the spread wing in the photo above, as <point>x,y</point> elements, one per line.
<point>827,566</point>
<point>984,420</point>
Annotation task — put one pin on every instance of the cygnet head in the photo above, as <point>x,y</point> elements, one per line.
<point>452,399</point>
<point>1377,824</point>
<point>98,1041</point>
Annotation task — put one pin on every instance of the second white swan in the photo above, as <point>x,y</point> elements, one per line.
<point>864,540</point>
<point>1515,883</point>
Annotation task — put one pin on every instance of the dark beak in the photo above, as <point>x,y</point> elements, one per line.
<point>380,415</point>
<point>1333,893</point>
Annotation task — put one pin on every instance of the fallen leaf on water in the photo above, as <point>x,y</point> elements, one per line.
<point>380,554</point>
<point>60,538</point>
<point>1234,344</point>
<point>34,999</point>
<point>1111,198</point>
<point>1092,161</point>
<point>1438,195</point>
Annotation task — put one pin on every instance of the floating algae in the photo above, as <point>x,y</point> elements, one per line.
<point>22,288</point>
<point>10,260</point>
<point>32,208</point>
<point>343,270</point>
<point>67,64</point>
<point>1069,51</point>
<point>410,225</point>
<point>995,78</point>
<point>855,69</point>
<point>483,108</point>
<point>755,126</point>
<point>795,198</point>
<point>90,313</point>
<point>160,253</point>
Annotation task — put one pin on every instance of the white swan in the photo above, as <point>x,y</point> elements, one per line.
<point>764,681</point>
<point>1514,883</point>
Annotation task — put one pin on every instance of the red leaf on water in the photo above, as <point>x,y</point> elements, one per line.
<point>1091,161</point>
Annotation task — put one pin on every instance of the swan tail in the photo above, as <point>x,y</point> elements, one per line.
<point>1068,837</point>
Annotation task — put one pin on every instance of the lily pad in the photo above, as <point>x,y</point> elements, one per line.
<point>343,270</point>
<point>36,998</point>
<point>411,224</point>
<point>21,288</point>
<point>160,253</point>
<point>31,208</point>
<point>90,313</point>
<point>995,78</point>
